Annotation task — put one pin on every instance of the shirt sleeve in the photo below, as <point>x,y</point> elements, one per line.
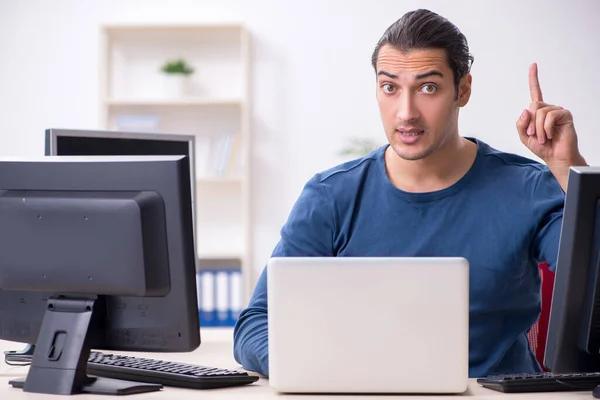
<point>309,231</point>
<point>548,207</point>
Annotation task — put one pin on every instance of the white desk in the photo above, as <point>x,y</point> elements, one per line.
<point>216,350</point>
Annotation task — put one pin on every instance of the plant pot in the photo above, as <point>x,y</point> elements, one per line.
<point>175,85</point>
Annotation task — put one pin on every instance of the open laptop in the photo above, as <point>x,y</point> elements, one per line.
<point>368,325</point>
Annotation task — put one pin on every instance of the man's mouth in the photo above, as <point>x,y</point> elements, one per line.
<point>410,132</point>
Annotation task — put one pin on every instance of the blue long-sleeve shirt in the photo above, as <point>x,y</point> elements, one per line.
<point>504,216</point>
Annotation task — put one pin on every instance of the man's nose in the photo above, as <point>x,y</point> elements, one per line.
<point>407,109</point>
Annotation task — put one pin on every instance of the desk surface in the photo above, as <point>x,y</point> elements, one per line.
<point>216,350</point>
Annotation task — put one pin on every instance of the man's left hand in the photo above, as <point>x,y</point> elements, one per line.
<point>548,131</point>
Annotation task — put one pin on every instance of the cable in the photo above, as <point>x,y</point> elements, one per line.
<point>19,358</point>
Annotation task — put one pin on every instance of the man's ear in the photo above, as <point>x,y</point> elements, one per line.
<point>464,89</point>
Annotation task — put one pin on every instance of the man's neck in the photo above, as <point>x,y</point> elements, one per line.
<point>436,172</point>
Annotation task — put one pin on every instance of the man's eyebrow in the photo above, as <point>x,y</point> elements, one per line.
<point>417,77</point>
<point>430,73</point>
<point>392,76</point>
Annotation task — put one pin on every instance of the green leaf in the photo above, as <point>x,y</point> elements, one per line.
<point>177,66</point>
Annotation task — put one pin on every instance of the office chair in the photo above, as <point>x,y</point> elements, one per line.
<point>538,332</point>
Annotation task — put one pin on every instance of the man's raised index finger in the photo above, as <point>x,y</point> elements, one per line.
<point>534,83</point>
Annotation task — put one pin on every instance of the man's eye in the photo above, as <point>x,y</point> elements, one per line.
<point>387,88</point>
<point>429,89</point>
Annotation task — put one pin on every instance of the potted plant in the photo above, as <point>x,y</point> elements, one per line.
<point>358,147</point>
<point>176,74</point>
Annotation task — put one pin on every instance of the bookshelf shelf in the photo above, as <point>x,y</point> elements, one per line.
<point>219,179</point>
<point>173,103</point>
<point>136,95</point>
<point>219,255</point>
<point>155,29</point>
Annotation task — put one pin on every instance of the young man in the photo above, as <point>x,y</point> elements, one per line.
<point>431,192</point>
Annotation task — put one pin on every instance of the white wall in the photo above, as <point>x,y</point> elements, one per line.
<point>313,86</point>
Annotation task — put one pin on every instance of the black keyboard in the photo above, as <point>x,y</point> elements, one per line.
<point>541,382</point>
<point>167,373</point>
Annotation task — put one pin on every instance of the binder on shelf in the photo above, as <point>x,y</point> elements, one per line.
<point>207,296</point>
<point>219,286</point>
<point>222,301</point>
<point>236,305</point>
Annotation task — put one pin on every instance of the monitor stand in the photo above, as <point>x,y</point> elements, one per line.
<point>62,350</point>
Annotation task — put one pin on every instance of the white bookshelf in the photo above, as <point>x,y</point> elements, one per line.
<point>215,106</point>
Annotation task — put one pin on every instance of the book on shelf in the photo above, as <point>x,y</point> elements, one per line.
<point>137,123</point>
<point>226,155</point>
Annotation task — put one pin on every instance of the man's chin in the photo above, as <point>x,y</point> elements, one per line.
<point>411,153</point>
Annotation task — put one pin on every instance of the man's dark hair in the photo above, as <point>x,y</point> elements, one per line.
<point>424,29</point>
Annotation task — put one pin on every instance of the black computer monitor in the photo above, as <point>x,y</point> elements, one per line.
<point>81,142</point>
<point>573,341</point>
<point>95,253</point>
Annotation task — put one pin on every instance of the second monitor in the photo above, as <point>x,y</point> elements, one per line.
<point>80,142</point>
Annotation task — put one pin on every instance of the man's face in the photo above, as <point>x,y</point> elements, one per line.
<point>417,100</point>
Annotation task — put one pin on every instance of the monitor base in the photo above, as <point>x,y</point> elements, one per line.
<point>105,386</point>
<point>60,355</point>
